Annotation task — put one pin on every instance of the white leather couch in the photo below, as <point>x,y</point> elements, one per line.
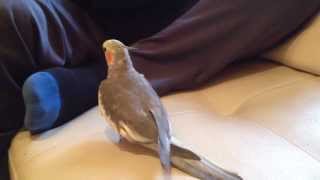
<point>260,119</point>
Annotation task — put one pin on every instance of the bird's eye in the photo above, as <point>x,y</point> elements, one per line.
<point>104,49</point>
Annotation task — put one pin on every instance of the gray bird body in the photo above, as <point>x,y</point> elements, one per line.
<point>132,104</point>
<point>134,110</point>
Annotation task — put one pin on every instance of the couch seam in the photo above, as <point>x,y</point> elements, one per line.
<point>263,91</point>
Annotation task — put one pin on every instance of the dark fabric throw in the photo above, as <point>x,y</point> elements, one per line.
<point>178,46</point>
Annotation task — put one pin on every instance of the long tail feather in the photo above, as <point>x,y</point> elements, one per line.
<point>197,166</point>
<point>164,144</point>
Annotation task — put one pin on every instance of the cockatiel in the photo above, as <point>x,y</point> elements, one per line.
<point>134,110</point>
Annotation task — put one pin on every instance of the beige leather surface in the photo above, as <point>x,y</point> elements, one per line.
<point>260,120</point>
<point>302,51</point>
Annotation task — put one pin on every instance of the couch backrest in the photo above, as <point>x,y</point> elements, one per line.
<point>301,51</point>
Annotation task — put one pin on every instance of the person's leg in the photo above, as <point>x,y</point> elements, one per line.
<point>35,36</point>
<point>213,34</point>
<point>16,63</point>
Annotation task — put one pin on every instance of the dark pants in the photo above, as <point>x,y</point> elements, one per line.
<point>187,47</point>
<point>36,35</point>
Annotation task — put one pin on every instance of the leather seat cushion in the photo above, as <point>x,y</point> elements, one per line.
<point>259,119</point>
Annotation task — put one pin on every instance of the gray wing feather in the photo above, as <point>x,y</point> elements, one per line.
<point>164,143</point>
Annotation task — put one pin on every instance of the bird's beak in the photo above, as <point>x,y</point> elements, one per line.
<point>108,56</point>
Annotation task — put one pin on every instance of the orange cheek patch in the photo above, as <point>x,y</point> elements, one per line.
<point>109,57</point>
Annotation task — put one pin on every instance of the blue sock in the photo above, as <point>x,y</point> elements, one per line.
<point>42,100</point>
<point>57,95</point>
